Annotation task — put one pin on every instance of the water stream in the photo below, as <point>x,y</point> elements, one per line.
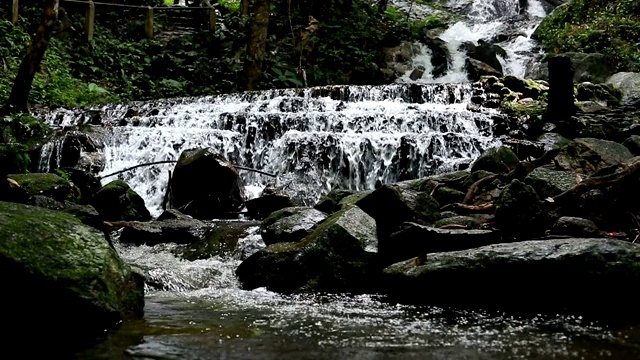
<point>315,140</point>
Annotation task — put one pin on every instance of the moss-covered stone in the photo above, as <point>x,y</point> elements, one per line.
<point>50,185</point>
<point>117,201</point>
<point>59,271</point>
<point>518,211</point>
<point>496,160</point>
<point>445,195</point>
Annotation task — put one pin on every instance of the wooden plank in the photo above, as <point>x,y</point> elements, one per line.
<point>89,20</point>
<point>14,12</point>
<point>148,23</point>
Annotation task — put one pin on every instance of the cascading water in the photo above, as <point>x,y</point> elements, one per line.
<point>508,24</point>
<point>315,140</point>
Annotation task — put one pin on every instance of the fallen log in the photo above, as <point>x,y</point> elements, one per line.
<point>459,208</point>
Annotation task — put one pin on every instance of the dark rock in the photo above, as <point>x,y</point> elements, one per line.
<point>466,222</point>
<point>87,183</point>
<point>85,213</point>
<point>417,73</point>
<point>290,224</point>
<point>446,195</point>
<point>553,140</point>
<point>139,233</point>
<point>87,286</point>
<point>178,231</point>
<point>220,239</point>
<point>576,227</point>
<point>496,160</point>
<point>549,183</point>
<point>172,214</point>
<point>117,201</point>
<point>569,271</point>
<point>330,202</point>
<point>475,176</point>
<point>263,206</point>
<point>413,240</point>
<point>633,144</point>
<point>50,185</point>
<point>486,53</point>
<point>440,56</point>
<point>338,256</point>
<point>597,92</point>
<point>528,88</point>
<point>206,186</point>
<point>591,67</point>
<point>518,211</point>
<point>476,69</point>
<point>392,205</point>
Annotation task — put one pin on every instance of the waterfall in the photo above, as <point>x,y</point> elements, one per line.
<point>314,140</point>
<point>508,24</point>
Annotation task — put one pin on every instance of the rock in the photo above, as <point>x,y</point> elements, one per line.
<point>549,183</point>
<point>575,227</point>
<point>50,185</point>
<point>87,183</point>
<point>48,253</point>
<point>330,202</point>
<point>592,67</point>
<point>518,211</point>
<point>85,213</point>
<point>414,239</point>
<point>392,205</point>
<point>290,224</point>
<point>528,88</point>
<point>587,91</point>
<point>465,222</point>
<point>172,214</point>
<point>417,73</point>
<point>552,141</point>
<point>476,69</point>
<point>633,144</point>
<point>117,201</point>
<point>338,256</point>
<point>220,239</point>
<point>440,56</point>
<point>178,231</point>
<point>531,277</point>
<point>206,186</point>
<point>589,155</point>
<point>475,176</point>
<point>261,207</point>
<point>445,195</point>
<point>496,160</point>
<point>486,53</point>
<point>629,85</point>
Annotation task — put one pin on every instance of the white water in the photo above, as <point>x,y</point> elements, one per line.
<point>484,20</point>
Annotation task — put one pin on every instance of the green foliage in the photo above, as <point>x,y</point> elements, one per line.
<point>231,5</point>
<point>610,27</point>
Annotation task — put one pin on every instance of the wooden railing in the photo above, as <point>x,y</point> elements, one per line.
<point>207,13</point>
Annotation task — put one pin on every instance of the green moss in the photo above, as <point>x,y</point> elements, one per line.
<point>50,185</point>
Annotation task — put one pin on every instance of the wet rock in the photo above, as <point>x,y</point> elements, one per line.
<point>589,155</point>
<point>460,222</point>
<point>549,183</point>
<point>172,214</point>
<point>178,231</point>
<point>87,183</point>
<point>87,286</point>
<point>414,239</point>
<point>592,67</point>
<point>85,213</point>
<point>475,176</point>
<point>330,202</point>
<point>440,56</point>
<point>552,140</point>
<point>338,256</point>
<point>445,195</point>
<point>518,211</point>
<point>528,88</point>
<point>476,69</point>
<point>117,201</point>
<point>206,186</point>
<point>587,91</point>
<point>392,205</point>
<point>417,73</point>
<point>496,160</point>
<point>261,207</point>
<point>551,276</point>
<point>50,185</point>
<point>485,53</point>
<point>290,224</point>
<point>576,227</point>
<point>633,144</point>
<point>628,83</point>
<point>221,238</point>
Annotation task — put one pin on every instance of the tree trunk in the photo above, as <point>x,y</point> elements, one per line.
<point>257,43</point>
<point>19,98</point>
<point>244,14</point>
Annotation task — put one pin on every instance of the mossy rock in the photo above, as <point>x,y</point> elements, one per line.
<point>445,195</point>
<point>50,185</point>
<point>60,271</point>
<point>496,160</point>
<point>518,211</point>
<point>14,159</point>
<point>117,201</point>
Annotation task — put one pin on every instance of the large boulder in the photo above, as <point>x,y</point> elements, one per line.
<point>476,69</point>
<point>339,256</point>
<point>590,155</point>
<point>496,160</point>
<point>262,206</point>
<point>290,224</point>
<point>548,182</point>
<point>592,67</point>
<point>206,186</point>
<point>393,205</point>
<point>60,271</point>
<point>486,53</point>
<point>414,239</point>
<point>117,201</point>
<point>178,231</point>
<point>629,85</point>
<point>222,238</point>
<point>590,277</point>
<point>576,227</point>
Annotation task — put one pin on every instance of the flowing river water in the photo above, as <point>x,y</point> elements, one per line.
<point>315,140</point>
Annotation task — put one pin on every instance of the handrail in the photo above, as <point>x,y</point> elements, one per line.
<point>90,15</point>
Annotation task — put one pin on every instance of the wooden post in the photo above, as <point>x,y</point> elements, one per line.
<point>89,20</point>
<point>14,12</point>
<point>148,23</point>
<point>212,19</point>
